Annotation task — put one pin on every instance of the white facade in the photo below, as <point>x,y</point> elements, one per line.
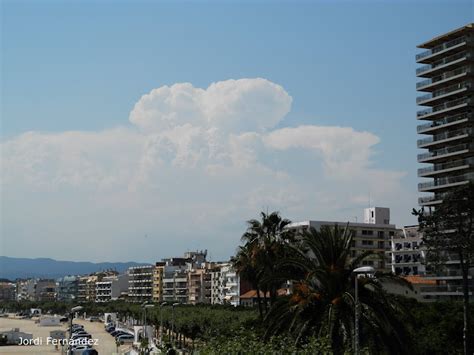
<point>111,288</point>
<point>225,285</point>
<point>374,235</point>
<point>377,215</point>
<point>26,290</point>
<point>407,254</point>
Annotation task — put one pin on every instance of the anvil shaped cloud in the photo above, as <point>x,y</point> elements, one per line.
<point>192,162</point>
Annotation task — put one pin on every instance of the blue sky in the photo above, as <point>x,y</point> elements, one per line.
<point>82,67</point>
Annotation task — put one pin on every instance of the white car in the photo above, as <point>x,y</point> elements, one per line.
<point>126,338</point>
<point>79,350</point>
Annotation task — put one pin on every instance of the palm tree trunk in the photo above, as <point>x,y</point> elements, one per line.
<point>465,291</point>
<point>273,295</point>
<point>259,300</point>
<point>265,302</point>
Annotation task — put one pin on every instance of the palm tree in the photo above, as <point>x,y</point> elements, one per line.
<point>245,264</point>
<point>322,303</point>
<point>265,244</point>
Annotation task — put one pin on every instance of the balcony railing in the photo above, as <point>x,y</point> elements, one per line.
<point>442,62</point>
<point>443,166</point>
<point>444,91</point>
<point>447,273</point>
<point>442,288</point>
<point>443,106</point>
<point>444,151</point>
<point>444,76</point>
<point>441,47</point>
<point>444,135</point>
<point>450,119</point>
<point>445,181</point>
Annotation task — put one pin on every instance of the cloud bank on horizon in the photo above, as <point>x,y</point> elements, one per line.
<point>192,166</point>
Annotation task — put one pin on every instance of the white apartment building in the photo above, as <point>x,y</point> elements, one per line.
<point>225,285</point>
<point>374,235</point>
<point>25,290</point>
<point>110,288</point>
<point>407,255</point>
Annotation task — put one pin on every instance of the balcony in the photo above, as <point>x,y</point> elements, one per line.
<point>442,63</point>
<point>430,84</point>
<point>445,152</point>
<point>443,93</point>
<point>441,48</point>
<point>430,200</point>
<point>445,182</point>
<point>447,274</point>
<point>443,137</point>
<point>445,107</point>
<point>447,290</point>
<point>445,167</point>
<point>448,121</point>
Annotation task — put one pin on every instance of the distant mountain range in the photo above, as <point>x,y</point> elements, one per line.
<point>13,268</point>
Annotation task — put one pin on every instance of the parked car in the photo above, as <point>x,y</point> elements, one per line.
<point>77,330</point>
<point>110,329</point>
<point>78,349</point>
<point>94,319</point>
<point>118,331</point>
<point>125,338</point>
<point>75,327</point>
<point>90,352</point>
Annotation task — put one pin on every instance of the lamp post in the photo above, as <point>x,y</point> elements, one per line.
<point>364,270</point>
<point>71,316</point>
<point>161,321</point>
<point>145,306</point>
<point>172,323</point>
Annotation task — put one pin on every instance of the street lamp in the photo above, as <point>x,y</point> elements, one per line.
<point>172,323</point>
<point>364,270</point>
<point>145,306</point>
<point>161,321</point>
<point>71,316</point>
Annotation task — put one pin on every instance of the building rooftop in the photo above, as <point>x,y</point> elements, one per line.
<point>419,280</point>
<point>446,37</point>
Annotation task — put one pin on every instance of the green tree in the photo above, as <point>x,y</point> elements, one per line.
<point>265,243</point>
<point>449,229</point>
<point>247,264</point>
<point>322,303</point>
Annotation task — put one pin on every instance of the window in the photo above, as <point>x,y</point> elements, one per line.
<point>367,242</point>
<point>391,233</point>
<point>370,232</point>
<point>364,232</point>
<point>381,234</point>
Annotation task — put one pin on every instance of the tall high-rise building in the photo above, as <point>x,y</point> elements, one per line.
<point>448,134</point>
<point>447,130</point>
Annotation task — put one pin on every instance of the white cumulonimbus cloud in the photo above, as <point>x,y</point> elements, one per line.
<point>192,167</point>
